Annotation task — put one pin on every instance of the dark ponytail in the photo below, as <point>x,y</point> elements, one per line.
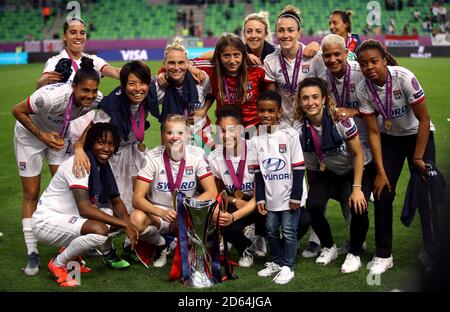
<point>86,71</point>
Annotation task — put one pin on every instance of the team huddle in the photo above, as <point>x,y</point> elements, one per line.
<point>295,126</point>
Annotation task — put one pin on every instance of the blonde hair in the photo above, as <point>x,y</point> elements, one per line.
<point>262,17</point>
<point>333,39</point>
<point>174,118</point>
<point>175,46</point>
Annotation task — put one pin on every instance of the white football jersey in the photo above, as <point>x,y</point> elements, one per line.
<point>58,196</point>
<point>340,159</point>
<point>154,172</point>
<point>309,67</point>
<point>220,170</point>
<point>48,106</point>
<point>406,92</point>
<point>50,65</point>
<point>356,77</point>
<point>276,155</point>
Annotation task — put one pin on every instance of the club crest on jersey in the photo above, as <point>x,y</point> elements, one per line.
<point>415,84</point>
<point>352,87</point>
<point>274,164</point>
<point>226,172</point>
<point>162,172</point>
<point>189,170</point>
<point>249,86</point>
<point>73,220</point>
<point>346,122</point>
<point>305,68</point>
<point>398,94</point>
<point>22,165</point>
<point>251,169</point>
<point>282,148</point>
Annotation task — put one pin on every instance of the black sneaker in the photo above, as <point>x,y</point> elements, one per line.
<point>115,262</point>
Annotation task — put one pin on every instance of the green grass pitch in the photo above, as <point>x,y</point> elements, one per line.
<point>17,82</point>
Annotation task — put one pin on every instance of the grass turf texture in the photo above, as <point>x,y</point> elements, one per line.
<point>18,82</point>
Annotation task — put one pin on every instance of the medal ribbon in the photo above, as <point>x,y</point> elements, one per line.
<point>67,117</point>
<point>298,60</point>
<point>138,130</point>
<point>386,110</point>
<point>74,64</point>
<point>316,141</point>
<point>342,100</point>
<point>173,186</point>
<point>239,178</point>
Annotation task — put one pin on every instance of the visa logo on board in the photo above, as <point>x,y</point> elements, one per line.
<point>134,55</point>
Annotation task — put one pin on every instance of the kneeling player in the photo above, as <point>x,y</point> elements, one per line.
<point>68,211</point>
<point>172,166</point>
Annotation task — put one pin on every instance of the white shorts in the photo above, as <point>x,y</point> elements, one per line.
<point>30,151</point>
<point>58,229</point>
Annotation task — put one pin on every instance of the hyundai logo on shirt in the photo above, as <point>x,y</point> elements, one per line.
<point>274,164</point>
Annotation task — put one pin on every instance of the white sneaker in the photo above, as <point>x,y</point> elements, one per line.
<point>271,268</point>
<point>162,260</point>
<point>32,267</point>
<point>351,264</point>
<point>260,246</point>
<point>284,276</point>
<point>246,260</point>
<point>327,255</point>
<point>380,265</point>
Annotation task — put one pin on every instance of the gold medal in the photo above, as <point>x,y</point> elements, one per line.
<point>141,147</point>
<point>239,194</point>
<point>388,125</point>
<point>322,166</point>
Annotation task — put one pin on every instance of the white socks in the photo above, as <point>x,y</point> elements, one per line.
<point>149,231</point>
<point>30,240</point>
<point>79,246</point>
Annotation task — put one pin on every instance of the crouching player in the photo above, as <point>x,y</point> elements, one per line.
<point>166,168</point>
<point>68,211</point>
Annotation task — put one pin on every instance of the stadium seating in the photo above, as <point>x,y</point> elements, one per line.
<point>129,19</point>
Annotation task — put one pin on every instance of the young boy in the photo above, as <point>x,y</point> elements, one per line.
<point>277,158</point>
<point>68,211</point>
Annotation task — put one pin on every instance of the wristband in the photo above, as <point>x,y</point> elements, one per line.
<point>356,185</point>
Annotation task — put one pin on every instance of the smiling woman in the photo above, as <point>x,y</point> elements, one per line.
<point>41,132</point>
<point>126,107</point>
<point>74,36</point>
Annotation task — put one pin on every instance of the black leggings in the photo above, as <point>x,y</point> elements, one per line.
<point>328,185</point>
<point>234,233</point>
<point>395,150</point>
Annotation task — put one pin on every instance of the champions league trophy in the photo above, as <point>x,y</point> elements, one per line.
<point>197,260</point>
